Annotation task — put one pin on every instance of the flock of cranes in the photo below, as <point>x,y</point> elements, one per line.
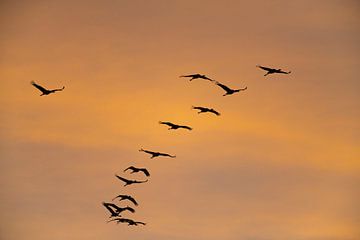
<point>117,211</point>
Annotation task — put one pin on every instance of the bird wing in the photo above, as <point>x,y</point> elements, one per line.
<point>123,179</point>
<point>145,171</point>
<point>114,206</point>
<point>227,89</point>
<point>265,68</point>
<point>42,89</point>
<point>201,108</point>
<point>140,223</point>
<point>114,219</point>
<point>136,181</point>
<point>129,209</point>
<point>166,155</point>
<point>59,89</point>
<point>132,200</point>
<point>205,77</point>
<point>120,220</point>
<point>131,168</point>
<point>118,196</point>
<point>168,123</point>
<point>125,220</point>
<point>215,112</point>
<point>191,75</point>
<point>281,71</point>
<point>107,205</point>
<point>186,127</point>
<point>146,151</point>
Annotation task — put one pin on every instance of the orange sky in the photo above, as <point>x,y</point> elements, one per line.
<point>281,162</point>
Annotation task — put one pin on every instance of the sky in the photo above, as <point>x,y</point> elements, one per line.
<point>281,162</point>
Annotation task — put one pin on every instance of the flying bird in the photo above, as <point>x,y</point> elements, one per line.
<point>129,182</point>
<point>228,90</point>
<point>128,221</point>
<point>204,110</point>
<point>197,76</point>
<point>156,154</point>
<point>111,210</point>
<point>173,126</point>
<point>115,210</point>
<point>272,70</point>
<point>135,170</point>
<point>126,197</point>
<point>45,91</point>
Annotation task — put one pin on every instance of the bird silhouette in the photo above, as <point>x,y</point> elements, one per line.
<point>45,91</point>
<point>135,170</point>
<point>175,126</point>
<point>156,154</point>
<point>272,70</point>
<point>228,90</point>
<point>112,211</point>
<point>197,76</point>
<point>129,182</point>
<point>126,197</point>
<point>204,110</point>
<point>115,210</point>
<point>128,221</point>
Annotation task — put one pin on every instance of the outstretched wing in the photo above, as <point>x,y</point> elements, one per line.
<point>59,89</point>
<point>142,223</point>
<point>126,220</point>
<point>191,75</point>
<point>132,200</point>
<point>146,151</point>
<point>120,220</point>
<point>130,209</point>
<point>42,89</point>
<point>227,89</point>
<point>206,78</point>
<point>107,206</point>
<point>119,196</point>
<point>123,179</point>
<point>186,127</point>
<point>131,168</point>
<point>215,112</point>
<point>200,108</point>
<point>167,155</point>
<point>281,71</point>
<point>265,68</point>
<point>145,171</point>
<point>136,181</point>
<point>113,219</point>
<point>113,205</point>
<point>168,123</point>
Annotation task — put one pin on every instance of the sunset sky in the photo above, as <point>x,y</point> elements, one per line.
<point>282,162</point>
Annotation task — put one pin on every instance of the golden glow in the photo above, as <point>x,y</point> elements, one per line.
<point>281,162</point>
